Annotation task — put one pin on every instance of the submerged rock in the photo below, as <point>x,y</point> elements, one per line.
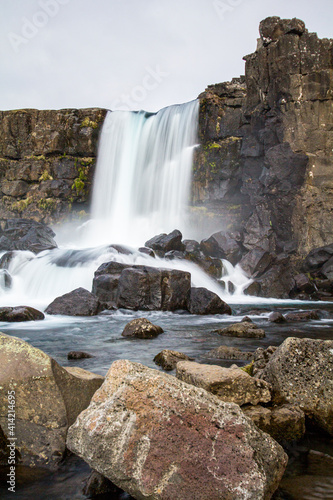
<point>168,359</point>
<point>167,439</point>
<point>227,352</point>
<point>276,317</point>
<point>48,398</point>
<point>301,372</point>
<point>26,234</point>
<point>141,328</point>
<point>301,315</point>
<point>242,329</point>
<point>79,355</point>
<point>79,302</point>
<point>231,385</point>
<point>20,313</point>
<point>203,301</point>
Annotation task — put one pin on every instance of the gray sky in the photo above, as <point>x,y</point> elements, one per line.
<point>131,54</point>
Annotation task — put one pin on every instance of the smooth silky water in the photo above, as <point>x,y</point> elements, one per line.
<point>141,188</point>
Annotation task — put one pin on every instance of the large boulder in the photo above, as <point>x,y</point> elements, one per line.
<point>26,234</point>
<point>141,287</point>
<point>223,245</point>
<point>317,258</point>
<point>166,242</point>
<point>157,437</point>
<point>141,328</point>
<point>232,385</point>
<point>276,282</point>
<point>48,398</point>
<point>301,372</point>
<point>203,301</point>
<point>256,262</point>
<point>20,313</point>
<point>79,302</point>
<point>244,329</point>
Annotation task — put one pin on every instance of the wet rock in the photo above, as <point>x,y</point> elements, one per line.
<point>303,284</point>
<point>6,259</point>
<point>242,329</point>
<point>6,280</point>
<point>276,317</point>
<point>203,301</point>
<point>48,398</point>
<point>20,313</point>
<point>141,328</point>
<point>174,254</point>
<point>223,245</point>
<point>141,287</point>
<point>79,302</point>
<point>256,262</point>
<point>276,282</point>
<point>97,485</point>
<point>166,242</point>
<point>227,352</point>
<point>151,408</point>
<point>79,355</point>
<point>234,386</point>
<point>283,423</point>
<point>25,234</point>
<point>168,359</point>
<point>246,319</point>
<point>300,372</point>
<point>122,249</point>
<point>147,251</point>
<point>301,315</point>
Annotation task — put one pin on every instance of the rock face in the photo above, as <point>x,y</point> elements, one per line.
<point>141,328</point>
<point>47,159</point>
<point>48,398</point>
<point>301,372</point>
<point>266,156</point>
<point>232,385</point>
<point>79,302</point>
<point>204,440</point>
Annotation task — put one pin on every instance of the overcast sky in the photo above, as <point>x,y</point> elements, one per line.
<point>131,54</point>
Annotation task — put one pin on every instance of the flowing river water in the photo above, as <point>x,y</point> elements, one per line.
<point>141,188</point>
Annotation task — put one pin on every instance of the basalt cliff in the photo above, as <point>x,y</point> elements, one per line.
<point>263,167</point>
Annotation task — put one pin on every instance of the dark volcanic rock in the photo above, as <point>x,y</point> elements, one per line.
<point>317,258</point>
<point>24,234</point>
<point>276,317</point>
<point>168,359</point>
<point>166,242</point>
<point>301,315</point>
<point>141,328</point>
<point>20,313</point>
<point>223,246</point>
<point>203,301</point>
<point>256,262</point>
<point>276,282</point>
<point>79,302</point>
<point>141,287</point>
<point>272,28</point>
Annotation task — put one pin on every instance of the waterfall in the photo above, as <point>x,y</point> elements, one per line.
<point>143,174</point>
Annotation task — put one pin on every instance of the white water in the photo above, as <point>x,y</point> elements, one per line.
<point>141,188</point>
<point>143,174</point>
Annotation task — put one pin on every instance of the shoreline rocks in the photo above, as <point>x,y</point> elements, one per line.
<point>204,439</point>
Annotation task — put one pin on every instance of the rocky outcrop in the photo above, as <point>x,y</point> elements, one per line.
<point>20,313</point>
<point>47,400</point>
<point>300,372</point>
<point>265,159</point>
<point>228,384</point>
<point>47,160</point>
<point>24,234</point>
<point>157,437</point>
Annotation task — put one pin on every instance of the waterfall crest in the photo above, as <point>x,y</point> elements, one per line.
<point>143,174</point>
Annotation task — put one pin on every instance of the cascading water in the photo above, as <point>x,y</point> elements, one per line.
<point>141,188</point>
<point>143,174</point>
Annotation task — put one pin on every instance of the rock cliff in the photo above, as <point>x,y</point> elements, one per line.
<point>266,154</point>
<point>47,160</point>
